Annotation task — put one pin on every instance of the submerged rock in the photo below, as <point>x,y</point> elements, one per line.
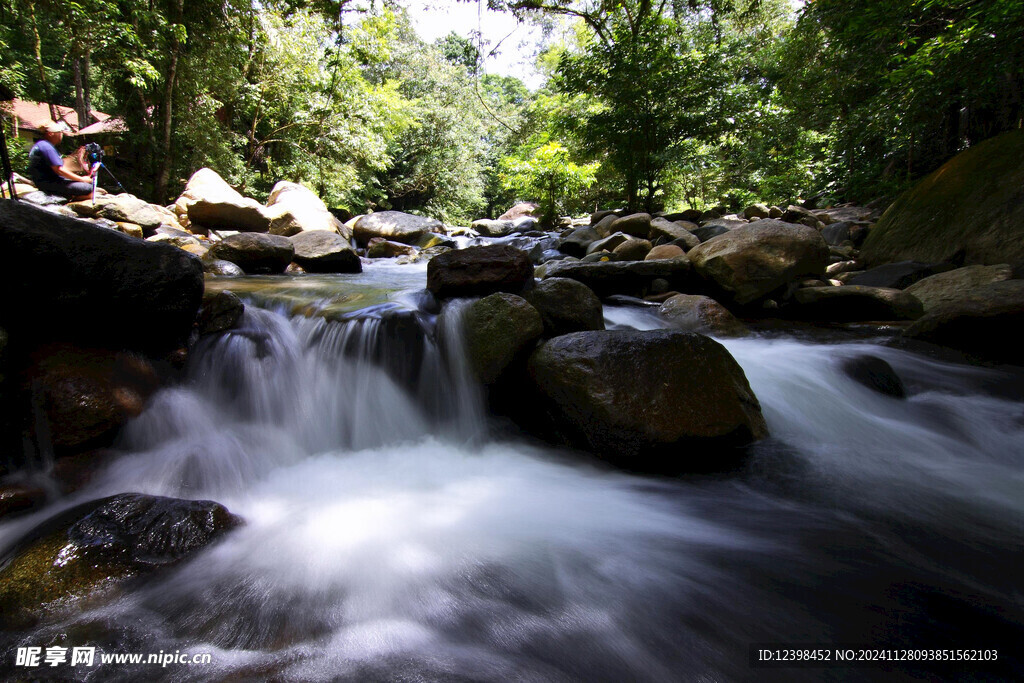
<point>566,305</point>
<point>479,271</point>
<point>647,400</point>
<point>875,374</point>
<point>256,253</point>
<point>754,260</point>
<point>221,311</point>
<point>95,546</point>
<point>497,328</point>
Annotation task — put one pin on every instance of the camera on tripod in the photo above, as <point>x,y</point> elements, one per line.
<point>94,153</point>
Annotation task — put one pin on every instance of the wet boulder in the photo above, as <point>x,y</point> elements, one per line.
<point>93,548</point>
<point>396,226</point>
<point>633,278</point>
<point>497,328</point>
<point>984,322</point>
<point>663,399</point>
<point>19,498</point>
<point>256,253</point>
<point>87,395</point>
<point>479,271</point>
<point>221,268</point>
<point>696,313</point>
<point>566,305</point>
<point>851,303</point>
<point>379,247</point>
<point>68,279</point>
<point>320,251</point>
<point>752,261</point>
<point>221,311</point>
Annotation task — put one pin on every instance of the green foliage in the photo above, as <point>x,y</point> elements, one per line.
<point>548,175</point>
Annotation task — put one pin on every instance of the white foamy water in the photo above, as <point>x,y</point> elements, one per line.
<point>389,537</point>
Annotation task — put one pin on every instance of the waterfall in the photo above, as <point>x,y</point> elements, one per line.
<point>389,535</point>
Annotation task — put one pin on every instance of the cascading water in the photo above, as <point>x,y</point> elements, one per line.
<point>389,537</point>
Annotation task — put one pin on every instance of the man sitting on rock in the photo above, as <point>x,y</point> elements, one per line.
<point>46,167</point>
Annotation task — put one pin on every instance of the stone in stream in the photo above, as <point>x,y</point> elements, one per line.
<point>520,210</point>
<point>566,305</point>
<point>752,261</point>
<point>875,374</point>
<point>899,275</point>
<point>294,208</point>
<point>212,203</point>
<point>256,253</point>
<point>68,279</point>
<point>696,313</point>
<point>635,224</point>
<point>984,322</point>
<point>18,498</point>
<point>633,278</point>
<point>127,208</point>
<point>632,250</point>
<point>661,400</point>
<point>576,243</point>
<point>479,271</point>
<point>319,251</point>
<point>497,328</point>
<point>492,228</point>
<point>854,302</point>
<point>89,550</point>
<point>679,230</point>
<point>379,247</point>
<point>221,268</point>
<point>396,226</point>
<point>86,395</point>
<point>708,232</point>
<point>604,226</point>
<point>607,243</point>
<point>220,311</point>
<point>665,251</point>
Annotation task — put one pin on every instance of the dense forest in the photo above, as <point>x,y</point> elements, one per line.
<point>671,104</point>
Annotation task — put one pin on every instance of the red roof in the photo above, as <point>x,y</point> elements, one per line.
<point>31,115</point>
<point>114,124</point>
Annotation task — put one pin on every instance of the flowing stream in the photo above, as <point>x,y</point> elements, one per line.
<point>391,534</point>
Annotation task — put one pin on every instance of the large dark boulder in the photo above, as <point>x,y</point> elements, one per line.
<point>953,285</point>
<point>396,226</point>
<point>497,328</point>
<point>577,242</point>
<point>876,374</point>
<point>973,205</point>
<point>661,399</point>
<point>566,305</point>
<point>479,271</point>
<point>635,224</point>
<point>633,278</point>
<point>319,251</point>
<point>754,260</point>
<point>984,322</point>
<point>256,253</point>
<point>67,279</point>
<point>97,545</point>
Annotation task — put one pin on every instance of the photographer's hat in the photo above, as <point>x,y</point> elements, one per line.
<point>53,127</point>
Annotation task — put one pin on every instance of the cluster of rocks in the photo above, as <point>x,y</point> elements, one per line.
<point>96,322</point>
<point>665,400</point>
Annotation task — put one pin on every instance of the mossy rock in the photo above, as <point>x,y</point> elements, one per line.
<point>973,206</point>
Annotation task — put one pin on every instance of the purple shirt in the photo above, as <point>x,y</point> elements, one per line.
<point>41,160</point>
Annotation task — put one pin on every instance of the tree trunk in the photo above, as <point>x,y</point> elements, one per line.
<point>163,168</point>
<point>37,47</point>
<point>81,108</point>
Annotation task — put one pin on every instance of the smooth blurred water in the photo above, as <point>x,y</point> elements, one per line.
<point>390,536</point>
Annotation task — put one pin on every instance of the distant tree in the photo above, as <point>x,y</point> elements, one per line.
<point>549,176</point>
